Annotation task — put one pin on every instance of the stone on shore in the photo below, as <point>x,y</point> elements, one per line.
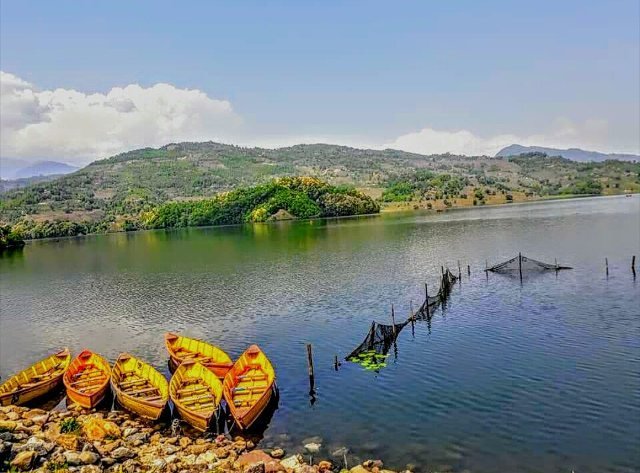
<point>24,460</point>
<point>117,442</point>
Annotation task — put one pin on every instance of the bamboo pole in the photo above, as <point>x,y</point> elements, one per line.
<point>426,294</point>
<point>310,366</point>
<point>393,322</point>
<point>520,265</point>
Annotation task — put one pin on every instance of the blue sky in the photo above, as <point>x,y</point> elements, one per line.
<point>424,76</point>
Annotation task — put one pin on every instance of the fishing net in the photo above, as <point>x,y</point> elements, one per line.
<point>373,352</point>
<point>432,302</point>
<point>525,264</point>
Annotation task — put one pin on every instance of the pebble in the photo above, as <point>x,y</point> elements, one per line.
<point>312,447</point>
<point>117,442</point>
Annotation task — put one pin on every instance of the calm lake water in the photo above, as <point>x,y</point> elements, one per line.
<point>538,376</point>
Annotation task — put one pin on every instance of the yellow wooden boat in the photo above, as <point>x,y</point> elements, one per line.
<point>196,393</point>
<point>36,381</point>
<point>139,387</point>
<point>248,386</point>
<point>189,349</point>
<point>87,379</point>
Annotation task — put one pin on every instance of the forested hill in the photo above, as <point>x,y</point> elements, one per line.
<point>118,189</point>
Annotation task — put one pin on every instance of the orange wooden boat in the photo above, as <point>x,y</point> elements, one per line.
<point>87,379</point>
<point>190,349</point>
<point>196,392</point>
<point>248,386</point>
<point>36,381</point>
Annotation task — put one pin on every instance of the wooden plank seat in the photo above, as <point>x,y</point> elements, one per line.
<point>248,389</point>
<point>143,391</point>
<point>255,377</point>
<point>188,390</point>
<point>89,382</point>
<point>133,383</point>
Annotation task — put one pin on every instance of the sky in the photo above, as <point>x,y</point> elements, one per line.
<point>86,80</point>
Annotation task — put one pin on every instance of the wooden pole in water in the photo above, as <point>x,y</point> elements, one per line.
<point>335,362</point>
<point>393,321</point>
<point>459,271</point>
<point>469,270</point>
<point>633,264</point>
<point>426,295</point>
<point>520,265</point>
<point>310,366</point>
<point>606,265</point>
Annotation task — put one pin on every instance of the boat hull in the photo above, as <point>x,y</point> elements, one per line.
<point>87,379</point>
<point>248,387</point>
<point>130,375</point>
<point>24,387</point>
<point>183,349</point>
<point>196,393</point>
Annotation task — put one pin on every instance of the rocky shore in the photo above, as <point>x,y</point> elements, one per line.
<point>118,442</point>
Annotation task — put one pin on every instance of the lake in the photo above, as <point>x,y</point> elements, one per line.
<point>541,374</point>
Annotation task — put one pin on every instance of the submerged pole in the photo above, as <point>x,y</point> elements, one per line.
<point>606,266</point>
<point>335,362</point>
<point>520,265</point>
<point>310,366</point>
<point>426,294</point>
<point>393,321</point>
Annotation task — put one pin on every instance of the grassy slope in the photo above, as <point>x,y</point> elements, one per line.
<point>126,184</point>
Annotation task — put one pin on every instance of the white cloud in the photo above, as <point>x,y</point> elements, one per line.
<point>80,127</point>
<point>592,134</point>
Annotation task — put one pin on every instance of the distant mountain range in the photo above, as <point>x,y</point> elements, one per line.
<point>11,168</point>
<point>574,154</point>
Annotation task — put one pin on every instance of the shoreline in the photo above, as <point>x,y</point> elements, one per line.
<point>77,440</point>
<point>383,211</point>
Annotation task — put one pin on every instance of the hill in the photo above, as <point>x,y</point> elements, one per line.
<point>107,194</point>
<point>12,169</point>
<point>574,154</point>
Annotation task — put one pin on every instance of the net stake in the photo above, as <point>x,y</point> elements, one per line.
<point>520,265</point>
<point>426,295</point>
<point>310,366</point>
<point>393,321</point>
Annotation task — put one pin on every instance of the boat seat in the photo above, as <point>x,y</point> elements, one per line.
<point>196,398</point>
<point>248,389</point>
<point>89,382</point>
<point>154,398</point>
<point>144,390</point>
<point>132,383</point>
<point>191,390</point>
